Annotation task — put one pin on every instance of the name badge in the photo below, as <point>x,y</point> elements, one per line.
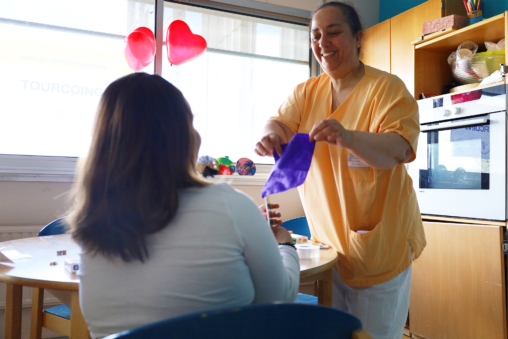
<point>353,161</point>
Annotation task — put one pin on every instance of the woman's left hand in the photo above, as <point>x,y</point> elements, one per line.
<point>332,132</point>
<point>273,214</point>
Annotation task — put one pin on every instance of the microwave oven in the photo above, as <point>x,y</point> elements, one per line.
<point>460,168</point>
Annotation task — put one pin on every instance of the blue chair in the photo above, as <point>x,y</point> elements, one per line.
<point>267,321</point>
<point>57,318</point>
<point>55,227</point>
<point>298,226</point>
<point>301,227</point>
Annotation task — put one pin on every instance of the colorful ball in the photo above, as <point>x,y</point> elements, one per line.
<point>226,162</point>
<point>224,170</point>
<point>245,166</point>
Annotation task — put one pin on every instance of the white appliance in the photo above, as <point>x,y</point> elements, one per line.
<point>461,165</point>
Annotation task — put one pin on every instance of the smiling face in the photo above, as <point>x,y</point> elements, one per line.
<point>333,43</point>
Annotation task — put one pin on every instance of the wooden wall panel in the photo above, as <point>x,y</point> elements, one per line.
<point>375,50</point>
<point>458,283</point>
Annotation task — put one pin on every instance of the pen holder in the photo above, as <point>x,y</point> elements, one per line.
<point>475,16</point>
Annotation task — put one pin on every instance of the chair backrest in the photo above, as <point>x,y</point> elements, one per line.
<point>298,226</point>
<point>55,227</point>
<point>267,321</point>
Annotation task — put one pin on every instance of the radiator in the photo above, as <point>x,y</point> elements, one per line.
<point>19,232</point>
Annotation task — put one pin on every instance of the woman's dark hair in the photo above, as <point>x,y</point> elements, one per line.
<point>350,15</point>
<point>143,152</point>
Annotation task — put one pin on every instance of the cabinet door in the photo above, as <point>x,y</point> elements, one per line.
<point>375,49</point>
<point>458,283</point>
<point>405,28</point>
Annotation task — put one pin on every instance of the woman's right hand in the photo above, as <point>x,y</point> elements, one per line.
<point>281,235</point>
<point>269,142</point>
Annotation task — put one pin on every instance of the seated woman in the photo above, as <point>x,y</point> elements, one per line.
<point>158,242</point>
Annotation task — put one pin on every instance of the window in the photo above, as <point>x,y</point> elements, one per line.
<point>57,57</point>
<point>250,67</point>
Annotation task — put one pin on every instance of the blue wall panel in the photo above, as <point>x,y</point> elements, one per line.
<point>494,7</point>
<point>391,8</point>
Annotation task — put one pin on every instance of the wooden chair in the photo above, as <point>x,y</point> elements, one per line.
<point>57,318</point>
<point>267,321</point>
<point>301,227</point>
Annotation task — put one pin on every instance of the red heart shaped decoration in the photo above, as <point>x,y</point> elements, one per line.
<point>140,49</point>
<point>182,45</point>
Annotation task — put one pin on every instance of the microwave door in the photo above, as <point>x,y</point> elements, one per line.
<point>460,168</point>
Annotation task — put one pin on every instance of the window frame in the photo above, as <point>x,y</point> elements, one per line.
<point>63,169</point>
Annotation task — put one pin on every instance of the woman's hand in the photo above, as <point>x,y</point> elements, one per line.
<point>331,131</point>
<point>377,150</point>
<point>273,214</point>
<point>281,235</point>
<point>266,145</point>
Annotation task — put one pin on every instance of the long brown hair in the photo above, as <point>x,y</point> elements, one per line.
<point>142,153</point>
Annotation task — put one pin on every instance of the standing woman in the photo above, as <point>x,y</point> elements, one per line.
<point>158,242</point>
<point>357,197</point>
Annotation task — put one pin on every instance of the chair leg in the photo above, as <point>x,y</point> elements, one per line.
<point>36,319</point>
<point>79,328</point>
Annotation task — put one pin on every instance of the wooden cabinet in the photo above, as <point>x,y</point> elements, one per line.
<point>458,283</point>
<point>375,50</point>
<point>458,287</point>
<point>387,45</point>
<point>432,71</point>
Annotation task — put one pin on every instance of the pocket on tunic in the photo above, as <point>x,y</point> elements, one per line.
<point>366,251</point>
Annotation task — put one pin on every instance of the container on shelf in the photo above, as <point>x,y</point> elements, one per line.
<point>475,69</point>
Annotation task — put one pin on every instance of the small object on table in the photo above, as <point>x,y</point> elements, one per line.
<point>307,251</point>
<point>72,265</point>
<point>53,263</point>
<point>299,239</point>
<point>245,166</point>
<point>64,252</point>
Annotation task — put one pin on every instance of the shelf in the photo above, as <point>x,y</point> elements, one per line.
<point>487,30</point>
<point>469,90</point>
<point>432,71</point>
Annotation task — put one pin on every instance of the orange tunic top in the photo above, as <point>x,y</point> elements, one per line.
<point>341,195</point>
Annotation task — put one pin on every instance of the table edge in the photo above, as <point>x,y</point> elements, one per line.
<point>58,285</point>
<point>319,269</point>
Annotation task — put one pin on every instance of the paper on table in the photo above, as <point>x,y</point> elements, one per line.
<point>14,255</point>
<point>4,259</point>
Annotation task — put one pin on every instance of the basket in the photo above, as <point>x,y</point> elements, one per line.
<point>477,68</point>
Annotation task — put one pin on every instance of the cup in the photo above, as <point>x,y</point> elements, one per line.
<point>475,16</point>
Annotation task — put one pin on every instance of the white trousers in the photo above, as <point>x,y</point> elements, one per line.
<point>382,308</point>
